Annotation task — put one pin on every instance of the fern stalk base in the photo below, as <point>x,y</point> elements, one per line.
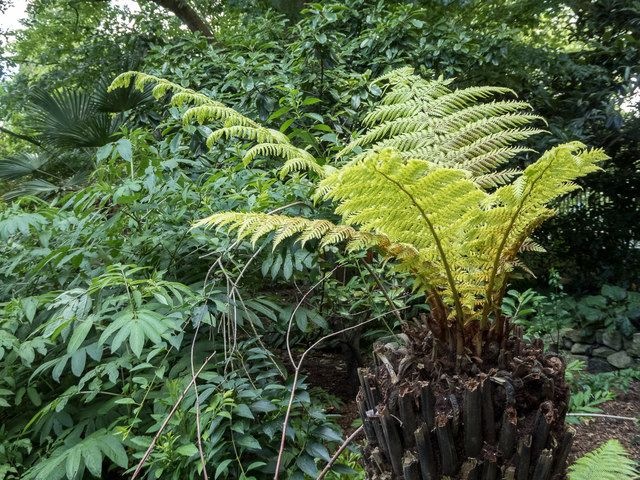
<point>428,420</point>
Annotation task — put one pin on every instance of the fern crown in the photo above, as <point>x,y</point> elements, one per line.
<point>421,185</point>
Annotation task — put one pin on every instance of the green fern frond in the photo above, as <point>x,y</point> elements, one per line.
<point>424,120</point>
<point>207,112</point>
<point>608,462</point>
<point>257,225</point>
<point>496,179</point>
<point>259,134</point>
<point>183,95</point>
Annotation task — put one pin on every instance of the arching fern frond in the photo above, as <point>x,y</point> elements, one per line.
<point>256,225</point>
<point>210,112</point>
<point>427,121</point>
<point>182,96</point>
<point>608,462</point>
<point>268,141</point>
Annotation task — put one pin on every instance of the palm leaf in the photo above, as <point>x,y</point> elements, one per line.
<point>68,119</point>
<point>120,99</point>
<point>21,165</point>
<point>36,187</point>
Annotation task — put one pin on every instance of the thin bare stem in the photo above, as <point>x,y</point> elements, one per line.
<point>384,291</point>
<point>166,421</point>
<point>602,415</point>
<point>339,452</point>
<point>293,363</point>
<point>195,389</point>
<point>295,380</point>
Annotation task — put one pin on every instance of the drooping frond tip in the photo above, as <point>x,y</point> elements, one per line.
<point>256,225</point>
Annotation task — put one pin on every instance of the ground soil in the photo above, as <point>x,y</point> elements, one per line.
<point>327,370</point>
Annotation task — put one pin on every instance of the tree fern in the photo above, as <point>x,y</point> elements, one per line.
<point>608,462</point>
<point>425,191</point>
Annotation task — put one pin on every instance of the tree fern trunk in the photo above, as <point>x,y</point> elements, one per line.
<point>487,426</point>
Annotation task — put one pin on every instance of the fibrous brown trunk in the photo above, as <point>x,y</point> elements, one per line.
<point>485,423</point>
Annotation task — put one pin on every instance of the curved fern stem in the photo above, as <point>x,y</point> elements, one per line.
<point>436,238</point>
<point>488,306</point>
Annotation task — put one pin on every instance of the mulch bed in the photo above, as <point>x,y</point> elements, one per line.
<point>326,370</point>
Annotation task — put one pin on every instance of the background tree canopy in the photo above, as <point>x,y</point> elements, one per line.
<point>101,284</point>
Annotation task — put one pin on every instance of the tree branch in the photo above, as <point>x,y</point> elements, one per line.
<point>188,16</point>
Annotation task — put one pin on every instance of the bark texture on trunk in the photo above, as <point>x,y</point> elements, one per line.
<point>182,10</point>
<point>491,425</point>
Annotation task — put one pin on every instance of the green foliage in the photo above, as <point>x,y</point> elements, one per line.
<point>465,240</point>
<point>615,309</point>
<point>606,462</point>
<point>307,78</point>
<point>99,305</point>
<point>588,390</point>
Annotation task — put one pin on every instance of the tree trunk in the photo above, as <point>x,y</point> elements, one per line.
<point>484,423</point>
<point>182,10</point>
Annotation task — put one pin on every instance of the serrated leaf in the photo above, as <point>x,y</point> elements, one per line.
<point>255,465</point>
<point>187,450</point>
<point>72,465</point>
<point>317,450</point>
<point>243,411</point>
<point>315,116</point>
<point>343,469</point>
<point>222,467</point>
<point>113,449</point>
<point>263,406</point>
<point>29,307</point>
<point>78,361</point>
<point>275,268</point>
<point>287,268</point>
<point>307,464</point>
<point>301,319</point>
<point>92,457</point>
<point>124,149</point>
<point>248,441</point>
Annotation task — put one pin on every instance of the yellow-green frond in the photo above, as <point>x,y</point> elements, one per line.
<point>608,462</point>
<point>206,113</point>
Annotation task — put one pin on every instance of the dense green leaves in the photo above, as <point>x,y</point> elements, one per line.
<point>102,283</point>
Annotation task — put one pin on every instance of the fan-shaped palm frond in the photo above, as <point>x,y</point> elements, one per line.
<point>608,462</point>
<point>120,99</point>
<point>21,164</point>
<point>35,187</point>
<point>68,119</point>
